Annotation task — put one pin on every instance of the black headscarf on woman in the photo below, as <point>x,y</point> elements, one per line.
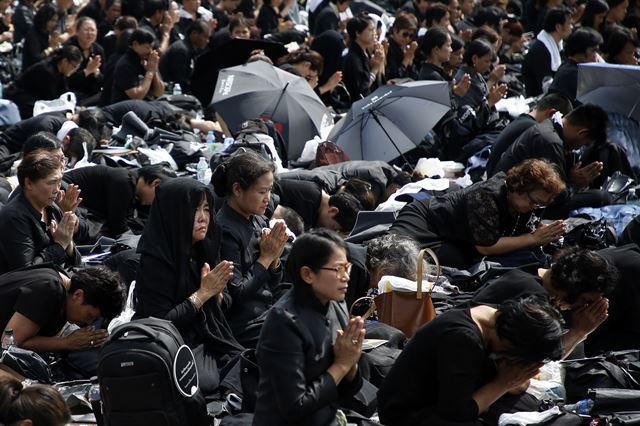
<point>330,45</point>
<point>167,237</point>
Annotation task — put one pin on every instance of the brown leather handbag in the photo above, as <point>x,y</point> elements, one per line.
<point>409,310</point>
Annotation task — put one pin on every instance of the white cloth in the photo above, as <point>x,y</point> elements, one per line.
<point>527,418</point>
<point>553,48</point>
<point>67,126</point>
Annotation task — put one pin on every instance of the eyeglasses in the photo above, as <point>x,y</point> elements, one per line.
<point>536,204</point>
<point>407,34</point>
<point>344,269</point>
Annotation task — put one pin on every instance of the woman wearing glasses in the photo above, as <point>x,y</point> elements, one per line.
<point>246,181</point>
<point>497,217</point>
<point>309,349</point>
<point>402,47</point>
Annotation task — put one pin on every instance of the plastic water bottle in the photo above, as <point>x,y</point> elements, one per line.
<point>129,141</point>
<point>210,138</point>
<point>201,170</point>
<point>177,90</point>
<point>632,198</point>
<point>581,407</point>
<point>1,94</point>
<point>95,399</point>
<point>8,341</point>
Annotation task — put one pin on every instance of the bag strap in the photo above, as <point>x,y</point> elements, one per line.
<point>371,309</point>
<point>419,272</point>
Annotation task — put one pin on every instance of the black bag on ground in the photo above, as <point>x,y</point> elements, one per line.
<point>28,364</point>
<point>590,234</point>
<point>148,376</point>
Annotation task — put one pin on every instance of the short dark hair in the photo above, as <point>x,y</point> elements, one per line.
<point>42,404</point>
<point>435,37</point>
<point>312,249</point>
<point>435,13</point>
<point>305,54</point>
<point>102,288</point>
<point>294,221</point>
<point>46,12</point>
<point>404,21</point>
<point>490,16</point>
<point>479,47</point>
<point>141,36</point>
<point>69,52</point>
<point>356,25</point>
<point>152,6</point>
<point>582,40</point>
<point>486,33</point>
<point>593,8</point>
<point>348,208</point>
<point>94,120</point>
<point>77,138</point>
<point>556,16</point>
<point>577,270</point>
<point>38,165</point>
<point>555,101</point>
<point>533,327</point>
<point>199,26</point>
<point>238,21</point>
<point>616,41</point>
<point>81,20</point>
<point>593,118</point>
<point>155,171</point>
<point>363,191</point>
<point>245,169</point>
<point>41,140</point>
<point>456,43</point>
<point>125,23</point>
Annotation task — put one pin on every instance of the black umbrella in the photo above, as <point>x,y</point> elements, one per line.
<point>234,52</point>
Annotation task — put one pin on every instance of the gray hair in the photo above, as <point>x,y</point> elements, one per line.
<point>393,254</point>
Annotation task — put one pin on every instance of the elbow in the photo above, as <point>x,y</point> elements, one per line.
<point>485,250</point>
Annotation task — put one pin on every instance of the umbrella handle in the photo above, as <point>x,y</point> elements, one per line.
<point>377,120</point>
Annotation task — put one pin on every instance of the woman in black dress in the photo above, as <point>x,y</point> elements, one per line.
<point>496,217</point>
<point>181,277</point>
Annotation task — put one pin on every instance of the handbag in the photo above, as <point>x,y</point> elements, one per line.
<point>28,364</point>
<point>408,310</point>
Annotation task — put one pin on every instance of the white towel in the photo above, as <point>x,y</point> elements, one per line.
<point>553,48</point>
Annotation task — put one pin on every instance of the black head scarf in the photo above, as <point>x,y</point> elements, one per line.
<point>330,45</point>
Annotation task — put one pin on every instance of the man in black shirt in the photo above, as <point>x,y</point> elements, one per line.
<point>156,20</point>
<point>544,110</point>
<point>112,193</point>
<point>37,302</point>
<point>176,64</point>
<point>136,74</point>
<point>556,142</point>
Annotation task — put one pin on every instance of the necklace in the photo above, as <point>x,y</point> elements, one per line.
<point>513,231</point>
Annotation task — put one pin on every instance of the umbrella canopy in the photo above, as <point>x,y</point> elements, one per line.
<point>615,88</point>
<point>260,90</point>
<point>392,120</point>
<point>231,53</point>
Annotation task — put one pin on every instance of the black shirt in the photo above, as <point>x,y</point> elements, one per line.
<point>108,192</point>
<point>430,71</point>
<point>302,196</point>
<point>395,67</point>
<point>38,294</point>
<point>41,81</point>
<point>22,20</point>
<point>35,42</point>
<point>15,136</point>
<point>536,66</point>
<point>565,82</point>
<point>85,86</point>
<point>514,284</point>
<point>326,19</point>
<point>268,20</point>
<point>145,110</point>
<point>435,376</point>
<point>128,73</point>
<point>176,64</point>
<point>506,138</point>
<point>356,73</point>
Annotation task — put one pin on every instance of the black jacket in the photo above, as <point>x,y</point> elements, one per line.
<point>294,352</point>
<point>176,64</point>
<point>35,42</point>
<point>536,66</point>
<point>356,73</point>
<point>433,72</point>
<point>565,82</point>
<point>395,67</point>
<point>252,286</point>
<point>26,240</point>
<point>326,19</point>
<point>85,86</point>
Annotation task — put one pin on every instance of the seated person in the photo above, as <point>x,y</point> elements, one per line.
<point>597,287</point>
<point>497,217</point>
<point>620,46</point>
<point>182,279</point>
<point>545,108</point>
<point>37,302</point>
<point>44,80</point>
<point>33,405</point>
<point>543,58</point>
<point>112,193</point>
<point>86,82</point>
<point>309,348</point>
<point>273,17</point>
<point>336,212</point>
<point>459,365</point>
<point>40,41</point>
<point>136,73</point>
<point>402,47</point>
<point>327,16</point>
<point>246,181</point>
<point>581,47</point>
<point>33,229</point>
<point>158,22</point>
<point>555,142</point>
<point>176,64</point>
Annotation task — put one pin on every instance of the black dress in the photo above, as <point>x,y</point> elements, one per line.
<point>26,240</point>
<point>294,352</point>
<point>170,272</point>
<point>356,73</point>
<point>252,286</point>
<point>41,81</point>
<point>453,224</point>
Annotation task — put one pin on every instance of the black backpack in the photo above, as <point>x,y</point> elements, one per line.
<point>148,376</point>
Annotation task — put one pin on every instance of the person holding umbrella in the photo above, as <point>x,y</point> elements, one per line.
<point>364,64</point>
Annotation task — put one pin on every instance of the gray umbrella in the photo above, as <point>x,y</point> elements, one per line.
<point>260,90</point>
<point>615,88</point>
<point>392,120</point>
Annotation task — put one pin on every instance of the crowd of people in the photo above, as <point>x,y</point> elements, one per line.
<point>269,263</point>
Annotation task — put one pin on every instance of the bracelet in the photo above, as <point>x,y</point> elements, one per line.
<point>149,74</point>
<point>372,76</point>
<point>195,301</point>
